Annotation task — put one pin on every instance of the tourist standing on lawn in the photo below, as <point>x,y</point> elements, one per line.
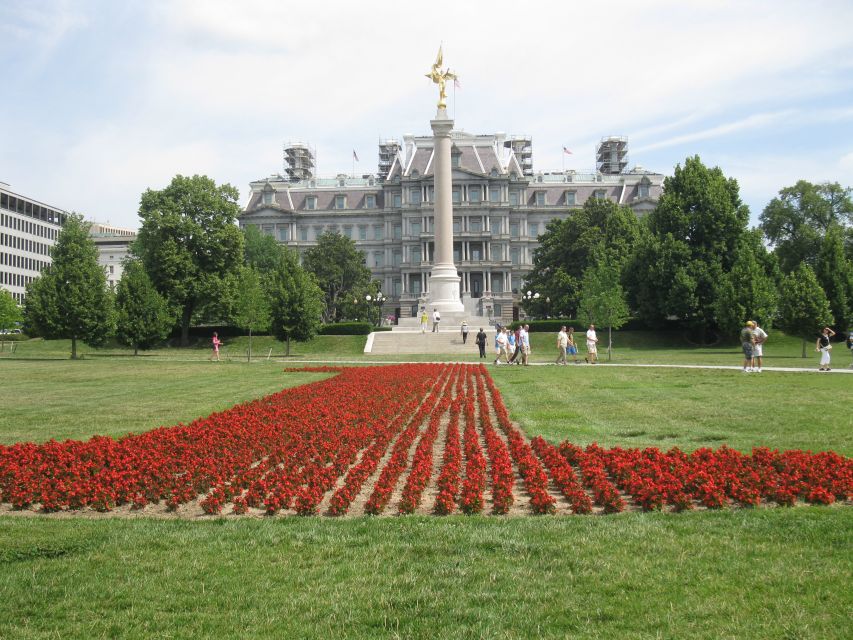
<point>464,332</point>
<point>216,343</point>
<point>760,336</point>
<point>436,319</point>
<point>824,345</point>
<point>424,320</point>
<point>562,343</point>
<point>480,339</point>
<point>747,343</point>
<point>591,345</point>
<point>571,348</point>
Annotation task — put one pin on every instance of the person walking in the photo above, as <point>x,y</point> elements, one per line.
<point>436,319</point>
<point>511,346</point>
<point>591,345</point>
<point>562,343</point>
<point>824,345</point>
<point>515,345</point>
<point>524,335</point>
<point>571,348</point>
<point>464,332</point>
<point>424,320</point>
<point>216,343</point>
<point>758,349</point>
<point>747,343</point>
<point>850,344</point>
<point>502,346</point>
<point>480,339</point>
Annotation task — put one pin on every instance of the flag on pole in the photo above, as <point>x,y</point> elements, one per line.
<point>456,83</point>
<point>565,150</point>
<point>355,156</point>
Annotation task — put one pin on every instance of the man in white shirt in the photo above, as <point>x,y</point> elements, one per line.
<point>757,350</point>
<point>436,318</point>
<point>502,342</point>
<point>562,343</point>
<point>591,345</point>
<point>524,336</point>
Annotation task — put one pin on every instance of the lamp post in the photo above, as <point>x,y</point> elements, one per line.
<point>378,300</point>
<point>529,298</point>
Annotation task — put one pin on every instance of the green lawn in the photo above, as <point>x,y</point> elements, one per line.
<point>758,573</point>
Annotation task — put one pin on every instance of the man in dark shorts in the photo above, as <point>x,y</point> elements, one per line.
<point>481,342</point>
<point>747,341</point>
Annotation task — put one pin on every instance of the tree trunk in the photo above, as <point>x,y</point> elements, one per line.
<point>804,347</point>
<point>287,350</point>
<point>609,342</point>
<point>73,348</point>
<point>135,349</point>
<point>250,344</point>
<point>186,315</point>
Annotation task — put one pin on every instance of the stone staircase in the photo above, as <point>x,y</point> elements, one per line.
<point>445,342</point>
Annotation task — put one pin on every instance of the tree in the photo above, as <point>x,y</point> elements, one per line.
<point>835,274</point>
<point>251,304</point>
<point>143,317</point>
<point>797,220</point>
<point>803,307</point>
<point>567,247</point>
<point>260,250</point>
<point>745,292</point>
<point>602,299</point>
<point>339,269</point>
<point>296,301</point>
<point>10,312</point>
<point>71,299</point>
<point>695,230</point>
<point>189,242</point>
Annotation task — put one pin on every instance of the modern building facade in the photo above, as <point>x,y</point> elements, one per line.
<point>500,204</point>
<point>28,231</point>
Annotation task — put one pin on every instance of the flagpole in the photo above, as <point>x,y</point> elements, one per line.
<point>563,159</point>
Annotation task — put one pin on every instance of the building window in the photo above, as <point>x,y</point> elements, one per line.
<point>416,227</point>
<point>267,229</point>
<point>340,202</point>
<point>533,229</point>
<point>513,198</point>
<point>348,232</point>
<point>476,253</point>
<point>570,198</point>
<point>495,225</point>
<point>397,287</point>
<point>513,229</point>
<point>303,233</point>
<point>644,190</point>
<point>497,254</point>
<point>516,283</point>
<point>398,231</point>
<point>515,255</point>
<point>396,258</point>
<point>283,234</point>
<point>397,199</point>
<point>370,202</point>
<point>475,194</point>
<point>475,225</point>
<point>311,202</point>
<point>455,159</point>
<point>268,197</point>
<point>362,232</point>
<point>498,310</point>
<point>415,195</point>
<point>457,196</point>
<point>497,283</point>
<point>415,284</point>
<point>540,199</point>
<point>112,269</point>
<point>599,194</point>
<point>378,259</point>
<point>494,194</point>
<point>415,254</point>
<point>457,225</point>
<point>378,233</point>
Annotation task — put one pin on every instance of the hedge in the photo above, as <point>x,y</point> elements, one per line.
<point>346,329</point>
<point>552,325</point>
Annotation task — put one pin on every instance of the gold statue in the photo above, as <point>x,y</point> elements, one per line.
<point>440,78</point>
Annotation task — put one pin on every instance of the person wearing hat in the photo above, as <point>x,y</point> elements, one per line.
<point>747,341</point>
<point>464,331</point>
<point>824,345</point>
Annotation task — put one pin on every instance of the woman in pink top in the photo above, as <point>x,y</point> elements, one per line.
<point>216,343</point>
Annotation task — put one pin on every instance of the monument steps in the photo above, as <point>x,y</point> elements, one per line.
<point>447,341</point>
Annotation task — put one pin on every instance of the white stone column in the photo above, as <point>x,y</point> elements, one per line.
<point>444,282</point>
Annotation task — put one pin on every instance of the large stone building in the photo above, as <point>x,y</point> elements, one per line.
<point>113,245</point>
<point>500,207</point>
<point>28,231</point>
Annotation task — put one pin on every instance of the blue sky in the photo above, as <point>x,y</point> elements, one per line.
<point>104,99</point>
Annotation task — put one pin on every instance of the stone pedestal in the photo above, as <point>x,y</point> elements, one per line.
<point>444,280</point>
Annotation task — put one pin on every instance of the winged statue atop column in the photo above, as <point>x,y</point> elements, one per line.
<point>440,78</point>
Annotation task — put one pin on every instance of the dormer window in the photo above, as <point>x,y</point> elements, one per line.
<point>540,199</point>
<point>340,202</point>
<point>311,202</point>
<point>268,197</point>
<point>416,174</point>
<point>370,201</point>
<point>415,195</point>
<point>494,172</point>
<point>571,198</point>
<point>643,188</point>
<point>455,157</point>
<point>601,194</point>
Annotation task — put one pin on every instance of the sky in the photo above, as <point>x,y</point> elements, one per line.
<point>102,100</point>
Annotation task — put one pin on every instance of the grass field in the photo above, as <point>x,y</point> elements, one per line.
<point>762,573</point>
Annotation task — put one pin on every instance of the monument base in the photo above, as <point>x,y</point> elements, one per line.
<point>444,291</point>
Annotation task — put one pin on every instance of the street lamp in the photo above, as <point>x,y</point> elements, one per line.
<point>378,300</point>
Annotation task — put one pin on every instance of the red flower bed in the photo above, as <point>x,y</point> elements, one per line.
<point>321,443</point>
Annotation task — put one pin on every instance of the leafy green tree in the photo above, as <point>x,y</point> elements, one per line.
<point>251,304</point>
<point>796,221</point>
<point>602,299</point>
<point>835,275</point>
<point>260,250</point>
<point>296,301</point>
<point>340,271</point>
<point>695,229</point>
<point>189,242</point>
<point>143,317</point>
<point>71,299</point>
<point>803,307</point>
<point>567,247</point>
<point>746,292</point>
<point>10,312</point>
